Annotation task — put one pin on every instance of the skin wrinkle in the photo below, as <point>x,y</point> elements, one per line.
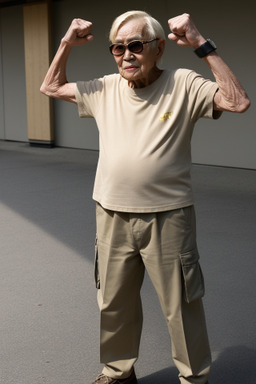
<point>147,71</point>
<point>230,93</point>
<point>137,37</point>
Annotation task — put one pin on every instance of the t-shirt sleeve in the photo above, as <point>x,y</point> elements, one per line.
<point>88,96</point>
<point>201,93</point>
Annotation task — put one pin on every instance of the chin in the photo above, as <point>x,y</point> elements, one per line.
<point>132,76</point>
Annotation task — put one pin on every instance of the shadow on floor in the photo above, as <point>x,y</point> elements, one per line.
<point>236,365</point>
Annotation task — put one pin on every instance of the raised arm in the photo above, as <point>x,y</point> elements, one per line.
<point>55,83</point>
<point>231,95</point>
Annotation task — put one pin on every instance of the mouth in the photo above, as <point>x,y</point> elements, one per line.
<point>130,68</point>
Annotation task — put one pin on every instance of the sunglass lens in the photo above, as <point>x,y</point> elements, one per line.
<point>117,49</point>
<point>135,47</point>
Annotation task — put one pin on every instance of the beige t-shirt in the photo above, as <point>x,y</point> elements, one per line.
<point>145,133</point>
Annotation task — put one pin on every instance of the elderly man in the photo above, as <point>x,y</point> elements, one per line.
<point>145,214</point>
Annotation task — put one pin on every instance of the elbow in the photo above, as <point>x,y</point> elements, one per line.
<point>244,105</point>
<point>48,91</point>
<point>239,107</point>
<point>45,90</point>
<point>238,103</point>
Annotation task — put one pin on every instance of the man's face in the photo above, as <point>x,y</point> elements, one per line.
<point>138,68</point>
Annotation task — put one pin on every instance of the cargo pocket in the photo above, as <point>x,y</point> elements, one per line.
<point>96,265</point>
<point>193,279</point>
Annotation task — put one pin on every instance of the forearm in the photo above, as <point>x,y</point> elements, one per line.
<point>231,95</point>
<point>55,83</point>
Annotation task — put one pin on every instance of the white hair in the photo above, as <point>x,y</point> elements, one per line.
<point>153,27</point>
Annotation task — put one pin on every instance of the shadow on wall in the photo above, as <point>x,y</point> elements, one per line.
<point>235,365</point>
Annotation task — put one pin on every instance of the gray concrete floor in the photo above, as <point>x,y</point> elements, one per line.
<point>49,323</point>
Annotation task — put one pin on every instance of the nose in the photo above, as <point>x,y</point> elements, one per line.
<point>128,55</point>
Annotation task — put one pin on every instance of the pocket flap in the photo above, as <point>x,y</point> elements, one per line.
<point>192,276</point>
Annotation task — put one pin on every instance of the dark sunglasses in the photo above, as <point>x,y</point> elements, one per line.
<point>135,46</point>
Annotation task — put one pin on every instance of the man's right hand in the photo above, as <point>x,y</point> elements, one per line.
<point>79,33</point>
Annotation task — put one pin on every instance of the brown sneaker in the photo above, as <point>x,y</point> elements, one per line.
<point>103,379</point>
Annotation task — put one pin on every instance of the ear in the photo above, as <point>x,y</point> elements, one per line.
<point>161,47</point>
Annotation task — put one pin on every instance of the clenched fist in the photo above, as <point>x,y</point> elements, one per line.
<point>184,31</point>
<point>79,33</point>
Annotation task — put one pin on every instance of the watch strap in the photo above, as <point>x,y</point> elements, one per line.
<point>205,48</point>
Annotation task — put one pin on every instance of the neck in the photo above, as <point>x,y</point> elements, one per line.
<point>144,82</point>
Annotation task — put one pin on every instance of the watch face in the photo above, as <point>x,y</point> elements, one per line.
<point>212,43</point>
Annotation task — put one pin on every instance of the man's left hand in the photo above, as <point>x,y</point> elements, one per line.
<point>184,32</point>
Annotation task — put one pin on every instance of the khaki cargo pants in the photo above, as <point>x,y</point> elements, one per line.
<point>165,244</point>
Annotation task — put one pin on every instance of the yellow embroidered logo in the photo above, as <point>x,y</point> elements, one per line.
<point>166,116</point>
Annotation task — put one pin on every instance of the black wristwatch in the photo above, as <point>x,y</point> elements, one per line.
<point>205,48</point>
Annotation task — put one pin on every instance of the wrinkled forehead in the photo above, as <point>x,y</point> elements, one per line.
<point>135,29</point>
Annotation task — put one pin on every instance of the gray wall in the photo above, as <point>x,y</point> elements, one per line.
<point>229,141</point>
<point>2,128</point>
<point>13,120</point>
